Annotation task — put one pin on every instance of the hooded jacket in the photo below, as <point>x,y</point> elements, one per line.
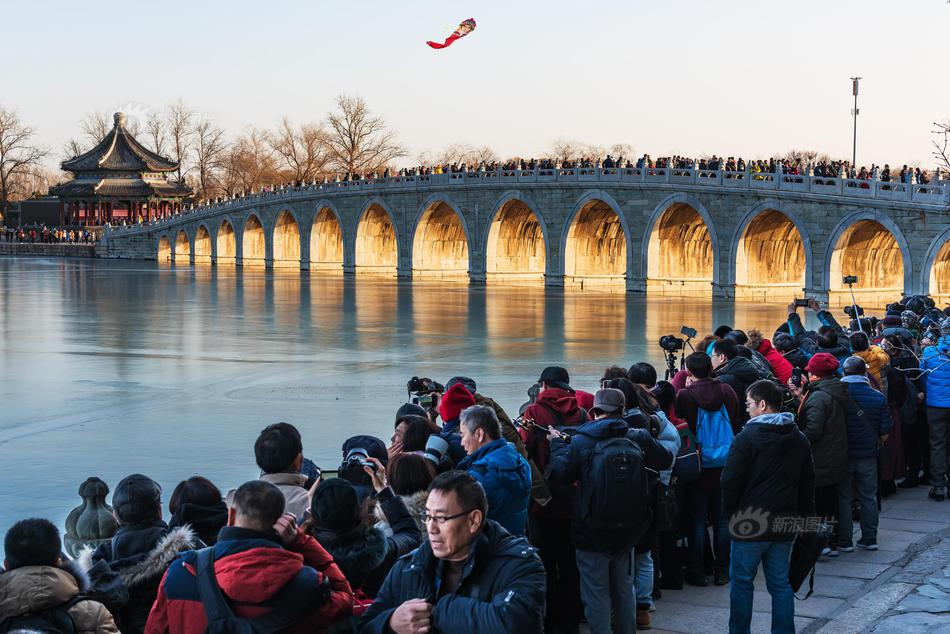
<point>708,394</point>
<point>869,417</point>
<point>506,478</point>
<point>781,367</point>
<point>296,495</point>
<point>39,588</point>
<point>822,417</point>
<point>935,363</point>
<point>140,554</point>
<point>738,373</point>
<point>769,469</point>
<point>876,359</point>
<point>501,590</point>
<point>569,462</point>
<point>206,521</point>
<point>251,568</point>
<point>366,555</point>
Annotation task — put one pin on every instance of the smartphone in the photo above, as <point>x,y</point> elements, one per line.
<point>797,374</point>
<point>801,303</point>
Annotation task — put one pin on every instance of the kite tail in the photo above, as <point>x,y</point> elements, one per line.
<point>448,42</point>
<point>436,45</point>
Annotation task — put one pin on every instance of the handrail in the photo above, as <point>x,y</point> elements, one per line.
<point>937,193</point>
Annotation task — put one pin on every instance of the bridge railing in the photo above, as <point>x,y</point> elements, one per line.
<point>937,193</point>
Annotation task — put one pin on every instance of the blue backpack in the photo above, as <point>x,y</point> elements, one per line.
<point>714,436</point>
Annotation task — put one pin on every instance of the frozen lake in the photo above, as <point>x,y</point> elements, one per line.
<point>114,367</point>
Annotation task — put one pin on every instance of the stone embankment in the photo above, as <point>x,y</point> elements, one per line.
<point>48,250</point>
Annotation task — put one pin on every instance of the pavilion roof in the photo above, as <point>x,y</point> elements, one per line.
<point>121,187</point>
<point>119,151</point>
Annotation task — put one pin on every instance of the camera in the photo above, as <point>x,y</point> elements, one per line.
<point>418,388</point>
<point>849,279</point>
<point>671,343</point>
<point>850,311</point>
<point>688,332</point>
<point>352,467</point>
<point>801,303</point>
<point>427,401</point>
<point>436,448</point>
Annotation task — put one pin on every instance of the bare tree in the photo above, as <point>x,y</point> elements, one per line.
<point>249,164</point>
<point>565,149</point>
<point>941,140</point>
<point>72,149</point>
<point>806,156</point>
<point>95,126</point>
<point>302,149</point>
<point>621,151</point>
<point>155,128</point>
<point>179,121</point>
<point>359,142</point>
<point>483,154</point>
<point>210,148</point>
<point>19,157</point>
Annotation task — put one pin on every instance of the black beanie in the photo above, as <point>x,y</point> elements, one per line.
<point>137,498</point>
<point>336,506</point>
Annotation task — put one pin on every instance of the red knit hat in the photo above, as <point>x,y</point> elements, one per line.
<point>454,401</point>
<point>822,365</point>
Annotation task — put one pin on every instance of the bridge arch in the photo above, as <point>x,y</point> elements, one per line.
<point>164,250</point>
<point>182,248</point>
<point>376,248</point>
<point>286,240</point>
<point>516,242</point>
<point>681,248</point>
<point>935,277</point>
<point>870,245</point>
<point>771,254</point>
<point>253,241</point>
<point>326,238</point>
<point>596,243</point>
<point>225,243</point>
<point>440,243</point>
<point>202,246</point>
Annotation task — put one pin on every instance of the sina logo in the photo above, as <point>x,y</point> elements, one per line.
<point>749,523</point>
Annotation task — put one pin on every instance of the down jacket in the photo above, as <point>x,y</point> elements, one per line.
<point>869,417</point>
<point>781,367</point>
<point>39,588</point>
<point>506,478</point>
<point>935,363</point>
<point>822,417</point>
<point>251,568</point>
<point>501,591</point>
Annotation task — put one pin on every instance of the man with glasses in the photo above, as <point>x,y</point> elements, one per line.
<point>768,479</point>
<point>471,575</point>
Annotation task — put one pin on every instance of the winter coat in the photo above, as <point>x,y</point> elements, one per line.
<point>415,503</point>
<point>797,358</point>
<point>502,589</point>
<point>822,418</point>
<point>366,555</point>
<point>669,439</point>
<point>739,374</point>
<point>710,395</point>
<point>296,495</point>
<point>452,434</point>
<point>39,588</point>
<point>251,568</point>
<point>206,521</point>
<point>876,359</point>
<point>140,554</point>
<point>570,460</point>
<point>506,478</point>
<point>935,362</point>
<point>869,418</point>
<point>781,367</point>
<point>770,469</point>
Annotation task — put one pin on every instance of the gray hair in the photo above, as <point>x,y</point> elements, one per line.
<point>481,417</point>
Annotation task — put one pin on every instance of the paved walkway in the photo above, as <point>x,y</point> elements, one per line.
<point>903,588</point>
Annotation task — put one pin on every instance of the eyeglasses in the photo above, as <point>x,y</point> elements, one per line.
<point>441,520</point>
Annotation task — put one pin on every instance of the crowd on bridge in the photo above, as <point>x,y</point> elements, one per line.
<point>584,506</point>
<point>41,234</point>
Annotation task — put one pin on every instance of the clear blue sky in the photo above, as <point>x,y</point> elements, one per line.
<point>733,77</point>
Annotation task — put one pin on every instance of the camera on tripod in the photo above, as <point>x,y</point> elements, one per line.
<point>671,344</point>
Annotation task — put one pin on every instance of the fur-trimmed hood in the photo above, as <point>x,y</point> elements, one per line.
<point>416,503</point>
<point>358,555</point>
<point>144,568</point>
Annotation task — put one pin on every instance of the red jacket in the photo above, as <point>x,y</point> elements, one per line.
<point>781,367</point>
<point>251,568</point>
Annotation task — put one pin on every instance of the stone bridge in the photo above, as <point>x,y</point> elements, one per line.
<point>668,231</point>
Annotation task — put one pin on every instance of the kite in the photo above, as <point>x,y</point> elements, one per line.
<point>463,29</point>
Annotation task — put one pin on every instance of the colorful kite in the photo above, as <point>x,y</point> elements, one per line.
<point>464,29</point>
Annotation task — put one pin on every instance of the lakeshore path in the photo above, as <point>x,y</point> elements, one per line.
<point>903,588</point>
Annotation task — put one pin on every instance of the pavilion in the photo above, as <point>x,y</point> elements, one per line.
<point>119,180</point>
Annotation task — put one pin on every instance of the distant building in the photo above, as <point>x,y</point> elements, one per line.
<point>119,180</point>
<point>44,210</point>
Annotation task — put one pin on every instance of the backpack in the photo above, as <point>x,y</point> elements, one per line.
<point>290,606</point>
<point>714,435</point>
<point>53,621</point>
<point>688,465</point>
<point>614,504</point>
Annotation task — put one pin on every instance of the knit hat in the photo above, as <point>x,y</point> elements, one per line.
<point>454,401</point>
<point>137,498</point>
<point>822,364</point>
<point>336,506</point>
<point>584,399</point>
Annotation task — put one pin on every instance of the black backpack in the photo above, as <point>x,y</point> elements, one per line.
<point>53,621</point>
<point>290,606</point>
<point>614,503</point>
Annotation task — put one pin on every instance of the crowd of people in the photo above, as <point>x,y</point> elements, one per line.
<point>41,234</point>
<point>584,507</point>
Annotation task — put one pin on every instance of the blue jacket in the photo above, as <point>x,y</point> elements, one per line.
<point>506,478</point>
<point>862,441</point>
<point>452,434</point>
<point>935,361</point>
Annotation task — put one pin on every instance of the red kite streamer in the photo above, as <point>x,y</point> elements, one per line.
<point>464,29</point>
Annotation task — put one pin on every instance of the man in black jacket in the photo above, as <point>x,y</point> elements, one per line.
<point>471,576</point>
<point>767,483</point>
<point>735,371</point>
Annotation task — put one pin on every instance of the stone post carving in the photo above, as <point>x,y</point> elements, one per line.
<point>92,522</point>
